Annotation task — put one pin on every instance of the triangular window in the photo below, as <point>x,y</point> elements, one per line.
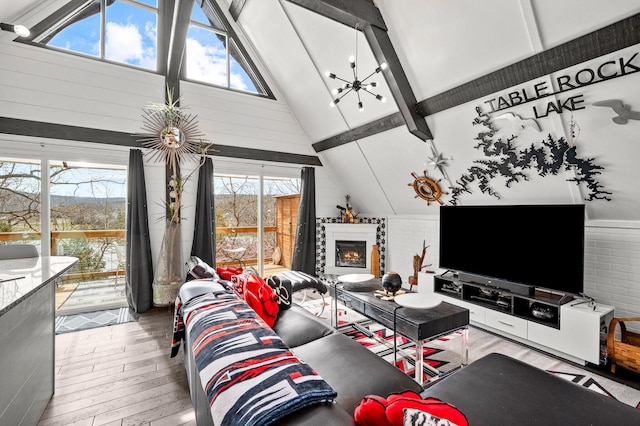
<point>123,31</point>
<point>126,32</point>
<point>214,56</point>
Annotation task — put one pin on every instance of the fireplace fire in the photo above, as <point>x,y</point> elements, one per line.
<point>351,254</point>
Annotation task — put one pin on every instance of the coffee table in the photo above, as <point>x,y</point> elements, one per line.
<point>417,325</point>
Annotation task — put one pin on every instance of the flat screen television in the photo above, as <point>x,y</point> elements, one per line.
<point>512,247</point>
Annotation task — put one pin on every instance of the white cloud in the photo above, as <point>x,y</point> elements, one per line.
<point>125,43</point>
<point>209,64</point>
<point>206,63</point>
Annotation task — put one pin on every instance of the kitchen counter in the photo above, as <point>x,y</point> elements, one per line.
<point>27,333</point>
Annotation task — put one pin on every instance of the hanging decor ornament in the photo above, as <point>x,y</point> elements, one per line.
<point>427,188</point>
<point>170,132</point>
<point>356,84</point>
<point>439,162</point>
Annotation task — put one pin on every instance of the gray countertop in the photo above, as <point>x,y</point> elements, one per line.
<point>21,277</point>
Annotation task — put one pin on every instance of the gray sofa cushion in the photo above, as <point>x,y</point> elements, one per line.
<point>297,326</point>
<point>497,389</point>
<point>352,370</point>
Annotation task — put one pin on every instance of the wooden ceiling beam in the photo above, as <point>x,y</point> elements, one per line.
<point>347,12</point>
<point>370,21</point>
<point>177,43</point>
<point>397,80</point>
<point>43,130</point>
<point>235,8</point>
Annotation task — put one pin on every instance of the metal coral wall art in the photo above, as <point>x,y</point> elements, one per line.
<point>505,160</point>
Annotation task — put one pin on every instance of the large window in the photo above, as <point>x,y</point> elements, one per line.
<point>247,225</point>
<point>214,57</point>
<point>20,202</point>
<point>87,214</point>
<point>86,211</point>
<point>123,31</point>
<point>126,32</point>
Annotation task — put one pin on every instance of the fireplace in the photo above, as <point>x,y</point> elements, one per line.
<point>351,254</point>
<point>348,247</point>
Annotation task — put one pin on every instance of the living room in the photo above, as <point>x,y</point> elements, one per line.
<point>458,65</point>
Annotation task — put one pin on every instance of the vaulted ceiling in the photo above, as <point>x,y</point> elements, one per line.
<point>446,60</point>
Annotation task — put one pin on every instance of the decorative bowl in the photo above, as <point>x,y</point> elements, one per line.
<point>391,282</point>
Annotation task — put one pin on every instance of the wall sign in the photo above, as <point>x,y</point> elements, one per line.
<point>604,71</point>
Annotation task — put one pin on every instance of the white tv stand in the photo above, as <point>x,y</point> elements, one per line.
<point>550,321</point>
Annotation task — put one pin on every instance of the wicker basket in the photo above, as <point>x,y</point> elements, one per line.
<point>626,351</point>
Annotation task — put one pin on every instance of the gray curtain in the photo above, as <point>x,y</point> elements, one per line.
<point>304,250</point>
<point>204,236</point>
<point>139,266</point>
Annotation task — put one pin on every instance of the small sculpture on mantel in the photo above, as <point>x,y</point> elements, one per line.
<point>346,213</point>
<point>418,265</point>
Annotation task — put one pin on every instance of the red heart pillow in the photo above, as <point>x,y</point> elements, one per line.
<point>378,411</point>
<point>261,298</point>
<point>395,410</point>
<point>370,412</point>
<point>227,272</point>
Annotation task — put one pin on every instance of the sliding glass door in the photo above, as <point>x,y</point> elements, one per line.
<point>87,221</point>
<point>81,209</point>
<point>251,221</point>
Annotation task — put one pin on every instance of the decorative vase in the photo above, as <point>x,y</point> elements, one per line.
<point>375,262</point>
<point>391,282</point>
<point>169,274</point>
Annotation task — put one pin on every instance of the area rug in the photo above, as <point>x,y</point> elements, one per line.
<point>443,354</point>
<point>440,357</point>
<point>88,320</point>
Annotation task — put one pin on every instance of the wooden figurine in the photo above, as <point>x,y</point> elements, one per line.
<point>418,266</point>
<point>347,214</point>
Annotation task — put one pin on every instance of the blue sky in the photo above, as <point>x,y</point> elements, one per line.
<point>131,34</point>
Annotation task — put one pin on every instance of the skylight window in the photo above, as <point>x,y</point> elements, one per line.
<point>123,31</point>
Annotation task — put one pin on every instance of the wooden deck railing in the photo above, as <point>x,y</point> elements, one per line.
<point>120,234</point>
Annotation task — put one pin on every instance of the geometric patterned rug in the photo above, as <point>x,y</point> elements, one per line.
<point>438,359</point>
<point>87,320</point>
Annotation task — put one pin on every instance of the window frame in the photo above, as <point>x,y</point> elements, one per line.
<point>210,8</point>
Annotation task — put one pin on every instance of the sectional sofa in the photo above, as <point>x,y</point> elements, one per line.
<point>495,389</point>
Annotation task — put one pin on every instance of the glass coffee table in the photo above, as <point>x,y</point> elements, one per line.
<point>420,323</point>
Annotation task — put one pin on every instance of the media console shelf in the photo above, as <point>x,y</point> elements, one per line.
<point>551,321</point>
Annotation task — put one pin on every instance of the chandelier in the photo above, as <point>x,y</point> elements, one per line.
<point>357,84</point>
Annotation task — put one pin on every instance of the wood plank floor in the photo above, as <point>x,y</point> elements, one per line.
<point>120,375</point>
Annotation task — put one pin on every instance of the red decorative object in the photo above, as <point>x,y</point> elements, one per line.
<point>379,411</point>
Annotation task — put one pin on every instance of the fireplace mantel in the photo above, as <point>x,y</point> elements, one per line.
<point>353,232</point>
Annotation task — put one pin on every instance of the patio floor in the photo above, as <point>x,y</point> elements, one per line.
<point>89,296</point>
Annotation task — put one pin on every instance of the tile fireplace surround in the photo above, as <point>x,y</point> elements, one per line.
<point>348,232</point>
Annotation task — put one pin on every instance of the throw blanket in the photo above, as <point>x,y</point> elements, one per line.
<point>249,375</point>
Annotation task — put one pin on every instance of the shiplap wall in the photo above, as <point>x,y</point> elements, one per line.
<point>49,86</point>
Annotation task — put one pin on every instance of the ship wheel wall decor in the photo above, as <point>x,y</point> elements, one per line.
<point>427,188</point>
